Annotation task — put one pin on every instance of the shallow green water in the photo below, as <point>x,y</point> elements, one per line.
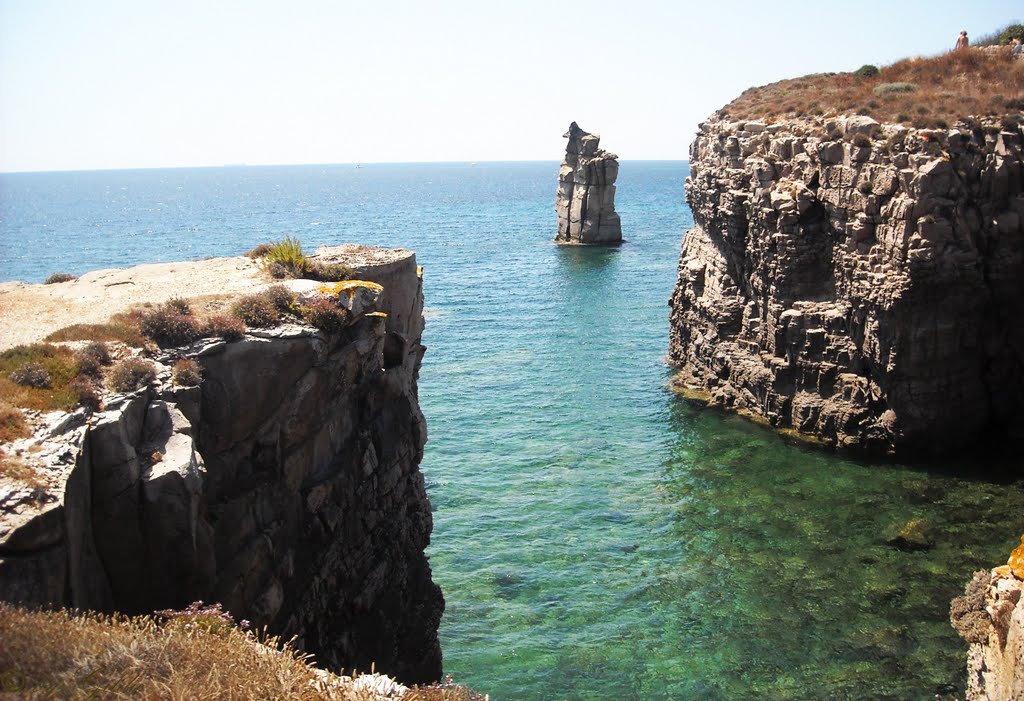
<point>598,538</point>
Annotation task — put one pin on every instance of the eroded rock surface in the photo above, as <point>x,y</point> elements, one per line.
<point>285,486</point>
<point>990,616</point>
<point>862,283</point>
<point>585,201</point>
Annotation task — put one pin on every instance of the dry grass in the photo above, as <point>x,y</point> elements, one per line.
<point>124,328</point>
<point>65,656</point>
<point>61,365</point>
<point>12,423</point>
<point>948,87</point>
<point>16,469</point>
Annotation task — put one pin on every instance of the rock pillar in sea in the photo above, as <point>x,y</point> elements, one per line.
<point>585,201</point>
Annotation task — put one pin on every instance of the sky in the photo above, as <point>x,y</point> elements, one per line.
<point>96,84</point>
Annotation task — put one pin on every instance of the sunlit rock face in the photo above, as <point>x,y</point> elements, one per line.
<point>286,486</point>
<point>856,282</point>
<point>585,201</point>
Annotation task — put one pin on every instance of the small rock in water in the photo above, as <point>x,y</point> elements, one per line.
<point>915,535</point>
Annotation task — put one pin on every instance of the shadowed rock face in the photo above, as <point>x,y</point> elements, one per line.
<point>857,282</point>
<point>585,201</point>
<point>286,486</point>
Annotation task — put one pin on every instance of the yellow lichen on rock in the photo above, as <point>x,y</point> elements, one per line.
<point>1016,561</point>
<point>348,286</point>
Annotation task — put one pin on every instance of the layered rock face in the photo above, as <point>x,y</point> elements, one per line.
<point>990,616</point>
<point>857,282</point>
<point>285,486</point>
<point>585,201</point>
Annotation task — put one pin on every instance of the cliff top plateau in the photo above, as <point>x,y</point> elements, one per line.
<point>924,93</point>
<point>243,431</point>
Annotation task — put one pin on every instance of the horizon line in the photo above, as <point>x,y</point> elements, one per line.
<point>325,164</point>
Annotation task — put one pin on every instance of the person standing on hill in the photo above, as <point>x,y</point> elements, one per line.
<point>961,41</point>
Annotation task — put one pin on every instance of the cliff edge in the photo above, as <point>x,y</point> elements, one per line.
<point>284,485</point>
<point>858,282</point>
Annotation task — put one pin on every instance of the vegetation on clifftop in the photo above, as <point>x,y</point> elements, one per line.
<point>198,653</point>
<point>920,92</point>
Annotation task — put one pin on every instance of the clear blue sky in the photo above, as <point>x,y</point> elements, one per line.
<point>137,83</point>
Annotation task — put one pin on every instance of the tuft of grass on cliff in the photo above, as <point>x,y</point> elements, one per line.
<point>63,655</point>
<point>921,92</point>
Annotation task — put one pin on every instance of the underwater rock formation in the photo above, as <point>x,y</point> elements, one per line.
<point>585,201</point>
<point>858,282</point>
<point>286,486</point>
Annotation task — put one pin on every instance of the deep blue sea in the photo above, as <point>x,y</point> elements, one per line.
<point>596,537</point>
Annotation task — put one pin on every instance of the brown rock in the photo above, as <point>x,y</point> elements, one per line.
<point>1016,561</point>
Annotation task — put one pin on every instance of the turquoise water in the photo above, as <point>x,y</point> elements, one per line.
<point>595,536</point>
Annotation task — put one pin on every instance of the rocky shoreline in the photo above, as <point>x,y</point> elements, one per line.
<point>854,282</point>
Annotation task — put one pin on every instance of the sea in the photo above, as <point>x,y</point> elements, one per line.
<point>596,536</point>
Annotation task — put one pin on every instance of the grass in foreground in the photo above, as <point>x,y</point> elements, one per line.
<point>921,92</point>
<point>65,656</point>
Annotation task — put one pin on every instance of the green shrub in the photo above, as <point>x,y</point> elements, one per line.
<point>325,315</point>
<point>890,88</point>
<point>867,71</point>
<point>1001,37</point>
<point>187,373</point>
<point>59,277</point>
<point>329,272</point>
<point>168,326</point>
<point>131,374</point>
<point>288,254</point>
<point>59,364</point>
<point>32,375</point>
<point>224,326</point>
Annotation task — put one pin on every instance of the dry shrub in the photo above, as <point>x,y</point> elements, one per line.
<point>12,423</point>
<point>259,251</point>
<point>59,277</point>
<point>945,83</point>
<point>14,468</point>
<point>170,324</point>
<point>224,326</point>
<point>55,654</point>
<point>91,358</point>
<point>32,375</point>
<point>187,373</point>
<point>87,392</point>
<point>329,272</point>
<point>325,315</point>
<point>255,310</point>
<point>281,297</point>
<point>131,374</point>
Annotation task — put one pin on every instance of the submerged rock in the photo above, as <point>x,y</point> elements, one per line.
<point>916,534</point>
<point>585,201</point>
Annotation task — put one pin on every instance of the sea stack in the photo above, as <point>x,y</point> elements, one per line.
<point>586,191</point>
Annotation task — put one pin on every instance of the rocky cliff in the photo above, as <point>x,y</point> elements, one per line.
<point>858,282</point>
<point>285,486</point>
<point>585,200</point>
<point>990,617</point>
